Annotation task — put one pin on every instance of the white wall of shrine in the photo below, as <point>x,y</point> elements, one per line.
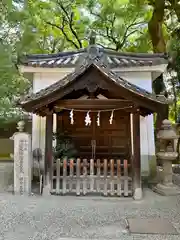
<point>144,80</point>
<point>40,81</point>
<point>141,79</point>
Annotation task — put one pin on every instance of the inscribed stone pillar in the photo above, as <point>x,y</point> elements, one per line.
<point>22,163</point>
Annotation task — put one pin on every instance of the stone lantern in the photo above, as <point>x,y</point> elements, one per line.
<point>167,154</point>
<point>20,126</point>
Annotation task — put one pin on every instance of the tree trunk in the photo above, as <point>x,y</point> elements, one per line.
<point>155,28</point>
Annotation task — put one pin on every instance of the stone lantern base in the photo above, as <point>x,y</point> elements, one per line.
<point>167,154</point>
<point>167,190</point>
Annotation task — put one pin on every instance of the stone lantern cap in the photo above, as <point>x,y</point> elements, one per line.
<point>20,126</point>
<point>167,132</point>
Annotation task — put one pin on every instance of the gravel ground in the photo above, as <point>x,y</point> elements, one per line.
<point>69,217</point>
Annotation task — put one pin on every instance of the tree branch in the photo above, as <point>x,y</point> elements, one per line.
<point>110,37</point>
<point>109,30</point>
<point>113,49</point>
<point>54,45</point>
<point>96,15</point>
<point>73,31</point>
<point>70,23</point>
<point>126,34</point>
<point>64,33</point>
<point>112,25</point>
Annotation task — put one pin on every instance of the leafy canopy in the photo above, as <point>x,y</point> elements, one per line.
<point>51,26</point>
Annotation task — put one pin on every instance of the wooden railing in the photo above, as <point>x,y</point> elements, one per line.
<point>82,176</point>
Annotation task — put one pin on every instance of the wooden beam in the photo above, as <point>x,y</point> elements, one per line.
<point>91,104</point>
<point>136,151</point>
<point>48,148</point>
<point>139,99</point>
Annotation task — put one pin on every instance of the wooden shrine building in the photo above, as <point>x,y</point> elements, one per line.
<point>101,112</point>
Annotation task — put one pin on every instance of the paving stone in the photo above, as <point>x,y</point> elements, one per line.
<point>151,226</point>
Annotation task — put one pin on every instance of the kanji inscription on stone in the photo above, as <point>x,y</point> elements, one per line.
<point>22,163</point>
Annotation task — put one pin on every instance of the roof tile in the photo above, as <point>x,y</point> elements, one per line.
<point>112,58</point>
<point>80,70</point>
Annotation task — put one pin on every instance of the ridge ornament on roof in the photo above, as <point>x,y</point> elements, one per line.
<point>92,38</point>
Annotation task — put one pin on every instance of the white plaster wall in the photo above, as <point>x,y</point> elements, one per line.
<point>141,79</point>
<point>40,81</point>
<point>43,80</point>
<point>144,80</point>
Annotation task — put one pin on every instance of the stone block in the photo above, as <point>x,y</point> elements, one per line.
<point>171,190</point>
<point>22,163</point>
<point>6,175</point>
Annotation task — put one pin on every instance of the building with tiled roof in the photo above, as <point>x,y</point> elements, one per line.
<point>97,96</point>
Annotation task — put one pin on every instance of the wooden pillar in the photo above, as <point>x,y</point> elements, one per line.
<point>55,128</point>
<point>136,156</point>
<point>59,128</point>
<point>93,139</point>
<point>48,153</point>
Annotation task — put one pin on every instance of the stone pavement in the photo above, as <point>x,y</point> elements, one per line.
<point>67,218</point>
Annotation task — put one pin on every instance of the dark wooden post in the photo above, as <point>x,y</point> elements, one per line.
<point>59,127</point>
<point>48,150</point>
<point>136,156</point>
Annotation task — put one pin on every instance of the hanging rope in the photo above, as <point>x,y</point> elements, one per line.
<point>99,110</point>
<point>72,116</point>
<point>111,117</point>
<point>88,119</point>
<point>98,119</point>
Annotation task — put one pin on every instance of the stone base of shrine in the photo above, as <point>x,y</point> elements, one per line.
<point>167,190</point>
<point>47,187</point>
<point>138,194</point>
<point>46,191</point>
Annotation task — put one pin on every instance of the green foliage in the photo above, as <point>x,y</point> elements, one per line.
<point>12,83</point>
<point>39,26</point>
<point>120,25</point>
<point>51,26</point>
<point>65,146</point>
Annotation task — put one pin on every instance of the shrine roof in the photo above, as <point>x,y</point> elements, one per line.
<point>113,59</point>
<point>48,92</point>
